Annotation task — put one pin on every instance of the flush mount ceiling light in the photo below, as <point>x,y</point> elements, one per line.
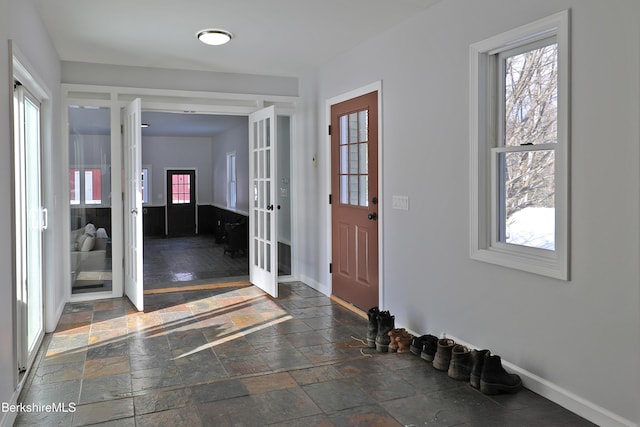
<point>214,37</point>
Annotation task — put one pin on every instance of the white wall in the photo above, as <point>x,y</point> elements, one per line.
<point>580,336</point>
<point>20,22</point>
<point>168,152</point>
<point>233,140</point>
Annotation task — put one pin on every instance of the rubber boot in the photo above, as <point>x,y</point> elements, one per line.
<point>477,359</point>
<point>372,329</point>
<point>495,379</point>
<point>386,322</point>
<point>460,365</point>
<point>429,348</point>
<point>443,354</point>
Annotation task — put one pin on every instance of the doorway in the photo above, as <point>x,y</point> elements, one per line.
<point>354,208</point>
<point>181,203</point>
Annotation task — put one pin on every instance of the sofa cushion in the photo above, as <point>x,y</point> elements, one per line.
<point>88,243</point>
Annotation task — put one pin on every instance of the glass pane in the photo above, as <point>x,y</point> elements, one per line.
<point>255,135</point>
<point>344,159</point>
<point>528,188</point>
<point>363,125</point>
<point>344,130</point>
<point>256,225</point>
<point>353,127</point>
<point>531,97</point>
<point>353,158</point>
<point>255,251</point>
<point>255,164</point>
<point>255,194</point>
<point>364,190</point>
<point>268,257</point>
<point>267,196</point>
<point>268,132</point>
<point>261,164</point>
<point>90,191</point>
<point>364,158</point>
<point>353,190</point>
<point>267,160</point>
<point>34,221</point>
<point>261,255</point>
<point>261,226</point>
<point>268,226</point>
<point>260,134</point>
<point>344,189</point>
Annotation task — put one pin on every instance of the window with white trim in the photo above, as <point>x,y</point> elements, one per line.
<point>520,147</point>
<point>146,184</point>
<point>232,187</point>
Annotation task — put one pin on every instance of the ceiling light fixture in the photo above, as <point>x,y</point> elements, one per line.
<point>214,37</point>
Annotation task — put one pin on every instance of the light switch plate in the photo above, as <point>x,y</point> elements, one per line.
<point>400,202</point>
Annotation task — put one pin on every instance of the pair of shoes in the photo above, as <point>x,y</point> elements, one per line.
<point>400,340</point>
<point>386,322</point>
<point>460,364</point>
<point>490,377</point>
<point>429,348</point>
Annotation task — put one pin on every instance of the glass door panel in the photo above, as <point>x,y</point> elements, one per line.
<point>90,198</point>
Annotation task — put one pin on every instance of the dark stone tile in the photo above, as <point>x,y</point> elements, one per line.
<point>278,360</point>
<point>306,339</point>
<point>245,365</point>
<point>218,391</point>
<point>186,416</point>
<point>53,393</point>
<point>199,367</point>
<point>162,400</point>
<point>98,412</point>
<point>109,349</point>
<point>155,378</point>
<point>316,374</point>
<point>190,338</point>
<point>336,395</point>
<point>105,388</point>
<point>370,415</point>
<point>383,386</point>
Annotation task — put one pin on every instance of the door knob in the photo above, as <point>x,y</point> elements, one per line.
<point>134,211</point>
<point>373,216</point>
<point>270,207</point>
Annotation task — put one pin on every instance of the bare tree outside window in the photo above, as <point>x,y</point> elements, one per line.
<point>530,122</point>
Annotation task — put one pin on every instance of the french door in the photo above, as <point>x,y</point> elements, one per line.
<point>133,284</point>
<point>263,231</point>
<point>31,221</point>
<point>354,208</point>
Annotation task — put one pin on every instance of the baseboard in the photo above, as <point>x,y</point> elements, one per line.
<point>315,285</point>
<point>574,403</point>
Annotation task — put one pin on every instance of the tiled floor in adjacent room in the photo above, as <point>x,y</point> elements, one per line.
<point>235,356</point>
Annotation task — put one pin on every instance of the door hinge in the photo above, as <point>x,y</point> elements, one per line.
<point>122,129</point>
<point>330,199</point>
<point>330,268</point>
<point>329,130</point>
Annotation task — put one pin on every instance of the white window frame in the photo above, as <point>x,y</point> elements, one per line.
<point>485,131</point>
<point>232,185</point>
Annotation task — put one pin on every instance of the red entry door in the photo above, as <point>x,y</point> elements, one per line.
<point>354,209</point>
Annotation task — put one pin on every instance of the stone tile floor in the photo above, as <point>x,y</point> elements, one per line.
<point>236,357</point>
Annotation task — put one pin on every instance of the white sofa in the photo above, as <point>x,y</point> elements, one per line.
<point>88,252</point>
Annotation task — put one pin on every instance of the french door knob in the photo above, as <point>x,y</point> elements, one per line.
<point>270,207</point>
<point>373,216</point>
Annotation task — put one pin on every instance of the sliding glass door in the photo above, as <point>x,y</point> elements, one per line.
<point>31,221</point>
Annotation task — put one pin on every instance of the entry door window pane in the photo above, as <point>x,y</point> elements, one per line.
<point>181,189</point>
<point>354,159</point>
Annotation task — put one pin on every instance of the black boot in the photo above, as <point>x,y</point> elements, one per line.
<point>477,358</point>
<point>417,343</point>
<point>386,322</point>
<point>429,348</point>
<point>495,379</point>
<point>372,330</point>
<point>460,365</point>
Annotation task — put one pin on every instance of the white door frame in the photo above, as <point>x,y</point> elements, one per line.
<point>375,86</point>
<point>200,102</point>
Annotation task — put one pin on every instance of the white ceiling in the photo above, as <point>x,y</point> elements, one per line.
<point>272,37</point>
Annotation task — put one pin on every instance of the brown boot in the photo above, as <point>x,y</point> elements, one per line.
<point>393,334</point>
<point>404,342</point>
<point>443,354</point>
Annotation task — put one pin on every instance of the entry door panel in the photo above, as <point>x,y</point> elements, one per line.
<point>181,203</point>
<point>133,285</point>
<point>263,245</point>
<point>354,211</point>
